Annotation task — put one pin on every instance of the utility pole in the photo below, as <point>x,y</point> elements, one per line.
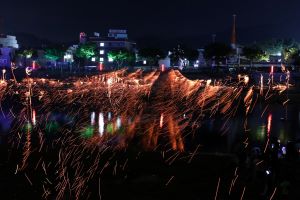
<point>214,38</point>
<point>1,25</point>
<point>233,34</point>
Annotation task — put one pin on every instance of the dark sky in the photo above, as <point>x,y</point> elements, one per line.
<point>191,21</point>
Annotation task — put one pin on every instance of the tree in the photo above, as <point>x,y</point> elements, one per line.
<point>177,55</point>
<point>296,59</point>
<point>26,54</point>
<point>217,51</point>
<point>54,54</point>
<point>84,52</point>
<point>290,53</point>
<point>272,47</point>
<point>280,47</point>
<point>253,53</point>
<point>191,54</point>
<point>120,56</point>
<point>152,55</point>
<point>182,55</point>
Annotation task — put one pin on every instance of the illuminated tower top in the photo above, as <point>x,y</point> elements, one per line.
<point>233,35</point>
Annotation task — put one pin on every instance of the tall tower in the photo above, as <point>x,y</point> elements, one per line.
<point>233,35</point>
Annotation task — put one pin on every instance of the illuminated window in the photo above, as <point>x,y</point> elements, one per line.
<point>101,52</point>
<point>144,62</point>
<point>102,44</point>
<point>101,59</point>
<point>110,59</point>
<point>93,59</point>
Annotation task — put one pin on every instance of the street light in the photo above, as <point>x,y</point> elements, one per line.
<point>3,74</point>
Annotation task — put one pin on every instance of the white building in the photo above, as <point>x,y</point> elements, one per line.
<point>115,40</point>
<point>69,54</point>
<point>8,45</point>
<point>9,41</point>
<point>200,62</point>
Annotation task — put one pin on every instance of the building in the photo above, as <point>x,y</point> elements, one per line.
<point>8,45</point>
<point>115,40</point>
<point>200,62</point>
<point>8,41</point>
<point>6,54</point>
<point>69,54</point>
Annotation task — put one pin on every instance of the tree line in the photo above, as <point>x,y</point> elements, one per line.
<point>287,49</point>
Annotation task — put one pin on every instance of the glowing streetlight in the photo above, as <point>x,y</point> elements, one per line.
<point>33,65</point>
<point>272,74</point>
<point>3,74</point>
<point>28,71</point>
<point>246,79</point>
<point>261,85</point>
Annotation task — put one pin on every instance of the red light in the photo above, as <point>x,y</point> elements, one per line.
<point>269,124</point>
<point>101,67</point>
<point>33,65</point>
<point>272,69</point>
<point>162,67</point>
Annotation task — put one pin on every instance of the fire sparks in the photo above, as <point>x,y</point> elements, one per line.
<point>107,113</point>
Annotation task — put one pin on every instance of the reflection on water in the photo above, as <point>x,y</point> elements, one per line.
<point>107,125</point>
<point>274,124</point>
<point>260,129</point>
<point>93,118</point>
<point>269,124</point>
<point>33,117</point>
<point>101,124</point>
<point>260,133</point>
<point>211,134</point>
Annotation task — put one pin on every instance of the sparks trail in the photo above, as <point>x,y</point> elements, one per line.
<point>89,123</point>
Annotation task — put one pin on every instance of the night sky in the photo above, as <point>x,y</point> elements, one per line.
<point>187,21</point>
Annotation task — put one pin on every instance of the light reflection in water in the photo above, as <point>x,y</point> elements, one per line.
<point>283,136</point>
<point>269,124</point>
<point>33,117</point>
<point>161,120</point>
<point>114,125</point>
<point>261,133</point>
<point>119,122</point>
<point>101,124</point>
<point>93,115</point>
<point>109,116</point>
<point>109,124</point>
<point>117,126</point>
